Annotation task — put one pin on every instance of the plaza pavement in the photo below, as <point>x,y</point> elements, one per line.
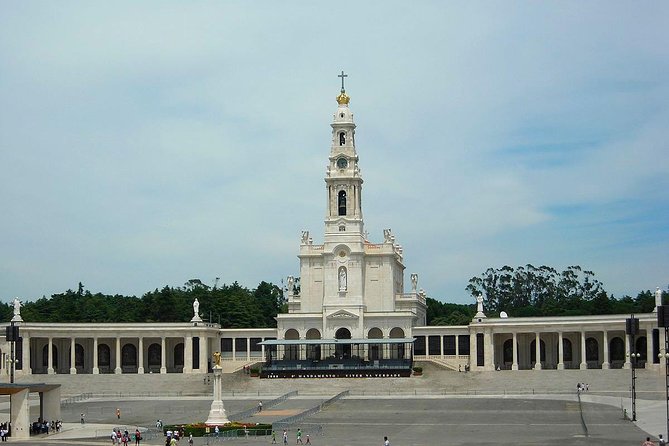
<point>440,407</point>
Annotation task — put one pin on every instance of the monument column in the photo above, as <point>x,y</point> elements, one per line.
<point>537,352</point>
<point>605,345</point>
<point>118,369</point>
<point>217,416</point>
<point>627,363</point>
<point>96,369</point>
<point>584,364</point>
<point>49,370</point>
<point>163,359</point>
<point>188,354</point>
<point>204,348</point>
<point>560,365</point>
<point>514,366</point>
<point>73,368</point>
<point>140,352</point>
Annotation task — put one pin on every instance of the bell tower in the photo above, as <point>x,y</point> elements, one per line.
<point>342,179</point>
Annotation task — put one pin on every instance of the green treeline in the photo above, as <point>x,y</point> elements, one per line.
<point>232,305</point>
<point>522,291</point>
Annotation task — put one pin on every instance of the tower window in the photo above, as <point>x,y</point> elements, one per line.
<point>342,138</point>
<point>341,202</point>
<point>342,228</point>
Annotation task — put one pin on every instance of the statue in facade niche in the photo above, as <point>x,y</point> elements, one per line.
<point>342,279</point>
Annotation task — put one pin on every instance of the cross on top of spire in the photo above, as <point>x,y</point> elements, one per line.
<point>342,76</point>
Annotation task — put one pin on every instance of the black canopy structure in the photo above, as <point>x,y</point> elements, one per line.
<point>337,358</point>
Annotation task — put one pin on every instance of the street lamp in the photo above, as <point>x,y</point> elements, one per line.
<point>632,328</point>
<point>663,321</point>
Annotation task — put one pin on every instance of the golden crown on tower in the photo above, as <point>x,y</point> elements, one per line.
<point>343,98</point>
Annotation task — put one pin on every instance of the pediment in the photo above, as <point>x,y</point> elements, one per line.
<point>342,314</point>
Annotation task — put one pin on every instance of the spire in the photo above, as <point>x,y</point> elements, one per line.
<point>343,97</point>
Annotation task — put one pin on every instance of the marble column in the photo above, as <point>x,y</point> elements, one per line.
<point>140,352</point>
<point>188,354</point>
<point>537,352</point>
<point>234,349</point>
<point>49,369</point>
<point>584,363</point>
<point>649,348</point>
<point>118,370</point>
<point>96,369</point>
<point>163,359</point>
<point>514,365</point>
<point>605,342</point>
<point>457,345</point>
<point>560,365</point>
<point>204,347</point>
<point>26,370</point>
<point>441,342</point>
<point>248,349</point>
<point>73,368</point>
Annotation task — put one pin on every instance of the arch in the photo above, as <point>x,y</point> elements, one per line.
<point>343,351</point>
<point>396,332</point>
<point>642,348</point>
<point>567,350</point>
<point>591,350</point>
<point>617,349</point>
<point>79,355</point>
<point>342,138</point>
<point>375,350</point>
<point>291,352</point>
<point>507,351</point>
<point>128,356</point>
<point>155,355</point>
<point>533,351</point>
<point>104,355</point>
<point>54,356</point>
<point>179,355</point>
<point>341,202</point>
<point>313,351</point>
<point>396,350</point>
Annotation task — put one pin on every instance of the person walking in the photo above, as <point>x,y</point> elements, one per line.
<point>259,406</point>
<point>308,440</point>
<point>138,437</point>
<point>647,442</point>
<point>299,437</point>
<point>385,441</point>
<point>118,413</point>
<point>273,437</point>
<point>82,418</point>
<point>285,437</point>
<point>661,441</point>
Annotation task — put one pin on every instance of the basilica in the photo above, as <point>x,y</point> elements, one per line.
<point>353,316</point>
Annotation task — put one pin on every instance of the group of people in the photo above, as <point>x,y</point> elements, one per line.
<point>172,437</point>
<point>661,441</point>
<point>582,387</point>
<point>4,431</point>
<point>298,439</point>
<point>118,437</point>
<point>44,427</point>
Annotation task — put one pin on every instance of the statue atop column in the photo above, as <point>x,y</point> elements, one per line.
<point>217,416</point>
<point>658,298</point>
<point>414,282</point>
<point>479,307</point>
<point>17,310</point>
<point>196,311</point>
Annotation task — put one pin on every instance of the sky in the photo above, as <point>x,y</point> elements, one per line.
<point>143,144</point>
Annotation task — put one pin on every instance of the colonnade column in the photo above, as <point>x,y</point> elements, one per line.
<point>262,349</point>
<point>234,349</point>
<point>118,369</point>
<point>584,364</point>
<point>188,354</point>
<point>488,350</point>
<point>140,352</point>
<point>627,363</point>
<point>49,370</point>
<point>248,349</point>
<point>26,370</point>
<point>441,342</point>
<point>514,365</point>
<point>560,365</point>
<point>163,359</point>
<point>204,348</point>
<point>537,352</point>
<point>605,342</point>
<point>73,368</point>
<point>457,345</point>
<point>96,369</point>
<point>649,348</point>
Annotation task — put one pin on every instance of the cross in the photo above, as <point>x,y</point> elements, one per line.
<point>342,76</point>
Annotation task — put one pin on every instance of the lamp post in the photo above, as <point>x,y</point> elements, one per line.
<point>632,328</point>
<point>663,321</point>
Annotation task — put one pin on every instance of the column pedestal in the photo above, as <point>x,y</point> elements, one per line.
<point>217,416</point>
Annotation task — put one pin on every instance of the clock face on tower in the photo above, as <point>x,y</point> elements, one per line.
<point>342,163</point>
